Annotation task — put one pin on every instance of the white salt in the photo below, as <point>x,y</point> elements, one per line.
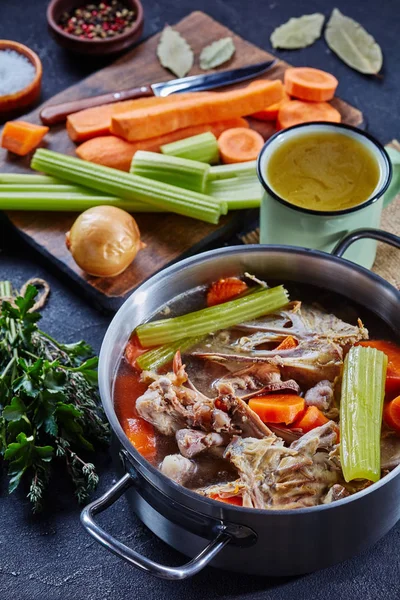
<point>16,72</point>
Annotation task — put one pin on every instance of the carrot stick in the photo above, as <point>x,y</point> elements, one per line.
<point>112,151</point>
<point>312,418</point>
<point>239,145</point>
<point>392,351</point>
<point>391,414</point>
<point>309,84</point>
<point>277,408</point>
<point>297,111</point>
<point>271,112</point>
<point>234,500</point>
<point>133,350</point>
<point>148,122</point>
<point>21,137</point>
<point>225,289</point>
<point>93,122</point>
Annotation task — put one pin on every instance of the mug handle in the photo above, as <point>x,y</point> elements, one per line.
<point>394,187</point>
<point>189,569</point>
<point>359,234</point>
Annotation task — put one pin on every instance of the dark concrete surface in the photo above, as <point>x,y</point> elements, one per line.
<point>50,557</point>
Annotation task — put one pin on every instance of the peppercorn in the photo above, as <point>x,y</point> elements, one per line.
<point>98,20</point>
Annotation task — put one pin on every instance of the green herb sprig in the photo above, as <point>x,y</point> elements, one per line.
<point>49,403</point>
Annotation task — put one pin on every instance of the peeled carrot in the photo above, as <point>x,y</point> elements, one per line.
<point>133,350</point>
<point>112,151</point>
<point>271,112</point>
<point>234,500</point>
<point>277,408</point>
<point>148,122</point>
<point>239,145</point>
<point>391,414</point>
<point>93,122</point>
<point>225,289</point>
<point>288,343</point>
<point>312,418</point>
<point>21,137</point>
<point>127,389</point>
<point>297,111</point>
<point>309,84</point>
<point>392,351</point>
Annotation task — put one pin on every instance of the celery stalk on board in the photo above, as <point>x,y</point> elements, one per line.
<point>163,196</point>
<point>361,405</point>
<point>202,147</point>
<point>62,201</point>
<point>157,357</point>
<point>238,192</point>
<point>234,170</point>
<point>213,318</point>
<point>184,173</point>
<point>27,178</point>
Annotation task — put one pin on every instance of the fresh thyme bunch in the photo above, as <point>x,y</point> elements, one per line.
<point>49,403</point>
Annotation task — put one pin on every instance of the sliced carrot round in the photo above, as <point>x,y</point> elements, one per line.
<point>277,408</point>
<point>391,414</point>
<point>312,418</point>
<point>239,145</point>
<point>225,289</point>
<point>309,84</point>
<point>271,112</point>
<point>298,111</point>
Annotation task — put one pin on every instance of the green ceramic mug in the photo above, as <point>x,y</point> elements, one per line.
<point>285,223</point>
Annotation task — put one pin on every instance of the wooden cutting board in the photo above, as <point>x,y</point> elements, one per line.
<point>168,237</point>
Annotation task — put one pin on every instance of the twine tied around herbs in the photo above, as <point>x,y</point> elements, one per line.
<point>38,283</point>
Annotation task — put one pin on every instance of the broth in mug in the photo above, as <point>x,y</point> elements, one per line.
<point>323,171</point>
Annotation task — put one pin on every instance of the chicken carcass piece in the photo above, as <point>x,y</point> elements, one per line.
<point>321,395</point>
<point>320,337</point>
<point>192,442</point>
<point>178,468</point>
<point>255,379</point>
<point>273,476</point>
<point>170,407</point>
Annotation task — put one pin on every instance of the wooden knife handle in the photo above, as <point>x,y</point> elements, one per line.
<point>56,113</point>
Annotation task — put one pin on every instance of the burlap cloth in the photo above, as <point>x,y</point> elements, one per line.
<point>387,263</point>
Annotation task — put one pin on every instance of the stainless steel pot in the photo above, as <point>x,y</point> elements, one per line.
<point>253,541</point>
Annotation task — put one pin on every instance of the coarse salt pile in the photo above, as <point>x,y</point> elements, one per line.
<point>16,72</point>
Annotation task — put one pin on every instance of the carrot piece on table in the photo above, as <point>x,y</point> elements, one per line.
<point>96,121</point>
<point>298,111</point>
<point>21,137</point>
<point>133,350</point>
<point>271,112</point>
<point>391,414</point>
<point>225,289</point>
<point>312,418</point>
<point>234,500</point>
<point>288,343</point>
<point>127,389</point>
<point>277,408</point>
<point>392,351</point>
<point>310,84</point>
<point>112,151</point>
<point>148,122</point>
<point>239,145</point>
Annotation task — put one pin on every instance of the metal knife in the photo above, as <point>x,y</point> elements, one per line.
<point>50,115</point>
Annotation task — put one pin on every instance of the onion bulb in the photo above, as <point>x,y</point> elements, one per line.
<point>104,240</point>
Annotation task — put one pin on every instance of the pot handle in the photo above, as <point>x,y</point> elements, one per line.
<point>134,558</point>
<point>359,234</point>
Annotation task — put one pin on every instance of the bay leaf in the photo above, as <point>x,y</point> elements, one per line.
<point>217,53</point>
<point>353,44</point>
<point>174,53</point>
<point>298,32</point>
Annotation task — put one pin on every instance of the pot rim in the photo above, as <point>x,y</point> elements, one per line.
<point>328,213</point>
<point>106,396</point>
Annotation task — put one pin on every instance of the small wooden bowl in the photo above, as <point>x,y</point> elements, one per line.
<point>93,47</point>
<point>10,104</point>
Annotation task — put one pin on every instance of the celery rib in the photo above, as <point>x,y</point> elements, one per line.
<point>213,318</point>
<point>56,201</point>
<point>152,359</point>
<point>238,192</point>
<point>27,179</point>
<point>234,170</point>
<point>188,174</point>
<point>361,405</point>
<point>202,147</point>
<point>166,197</point>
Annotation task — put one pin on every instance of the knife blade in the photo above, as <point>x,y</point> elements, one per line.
<point>56,113</point>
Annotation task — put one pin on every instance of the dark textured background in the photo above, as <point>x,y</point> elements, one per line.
<point>50,557</point>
